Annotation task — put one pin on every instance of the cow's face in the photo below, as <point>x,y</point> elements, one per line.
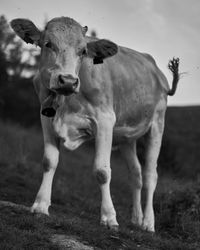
<point>63,46</point>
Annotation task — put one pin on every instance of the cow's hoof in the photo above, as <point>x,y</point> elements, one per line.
<point>114,228</point>
<point>134,226</point>
<point>148,226</point>
<point>136,222</point>
<point>103,224</point>
<point>40,208</point>
<point>112,225</point>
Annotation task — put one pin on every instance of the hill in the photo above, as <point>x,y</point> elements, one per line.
<point>181,142</point>
<point>76,197</point>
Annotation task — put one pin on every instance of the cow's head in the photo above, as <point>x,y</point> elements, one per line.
<point>63,45</point>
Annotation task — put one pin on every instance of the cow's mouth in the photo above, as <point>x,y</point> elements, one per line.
<point>63,91</point>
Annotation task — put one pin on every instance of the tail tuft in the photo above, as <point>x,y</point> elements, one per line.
<point>173,66</point>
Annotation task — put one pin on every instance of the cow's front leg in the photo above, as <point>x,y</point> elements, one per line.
<point>102,170</point>
<point>50,162</point>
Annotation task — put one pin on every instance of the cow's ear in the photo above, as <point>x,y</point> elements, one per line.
<point>26,30</point>
<point>101,49</point>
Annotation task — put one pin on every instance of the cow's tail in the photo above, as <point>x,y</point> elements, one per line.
<point>173,66</point>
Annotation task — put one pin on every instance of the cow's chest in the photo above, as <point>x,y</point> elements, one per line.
<point>73,129</point>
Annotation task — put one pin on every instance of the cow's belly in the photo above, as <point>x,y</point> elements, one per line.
<point>73,138</point>
<point>127,133</point>
<point>132,121</point>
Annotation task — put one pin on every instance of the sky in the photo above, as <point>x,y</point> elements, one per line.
<point>162,28</point>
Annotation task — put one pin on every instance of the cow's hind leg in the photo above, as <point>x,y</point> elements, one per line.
<point>50,162</point>
<point>129,153</point>
<point>102,170</point>
<point>153,144</point>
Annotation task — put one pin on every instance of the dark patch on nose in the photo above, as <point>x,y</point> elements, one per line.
<point>67,84</point>
<point>101,176</point>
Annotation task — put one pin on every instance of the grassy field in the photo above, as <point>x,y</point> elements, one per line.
<point>76,197</point>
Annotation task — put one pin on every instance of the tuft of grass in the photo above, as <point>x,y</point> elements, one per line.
<point>178,209</point>
<point>21,230</point>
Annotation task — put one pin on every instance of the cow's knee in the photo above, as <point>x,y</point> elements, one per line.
<point>137,179</point>
<point>150,179</point>
<point>108,214</point>
<point>102,175</point>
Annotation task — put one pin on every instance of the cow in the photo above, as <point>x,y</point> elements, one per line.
<point>91,88</point>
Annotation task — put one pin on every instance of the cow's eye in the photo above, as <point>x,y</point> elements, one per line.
<point>82,52</point>
<point>48,45</point>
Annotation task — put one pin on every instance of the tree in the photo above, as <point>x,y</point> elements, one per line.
<point>93,33</point>
<point>12,54</point>
<point>17,64</point>
<point>4,39</point>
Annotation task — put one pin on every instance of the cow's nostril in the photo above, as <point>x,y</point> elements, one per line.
<point>61,79</point>
<point>75,84</point>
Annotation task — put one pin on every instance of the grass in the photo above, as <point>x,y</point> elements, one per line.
<point>181,142</point>
<point>76,201</point>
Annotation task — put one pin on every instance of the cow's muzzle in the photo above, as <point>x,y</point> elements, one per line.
<point>67,85</point>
